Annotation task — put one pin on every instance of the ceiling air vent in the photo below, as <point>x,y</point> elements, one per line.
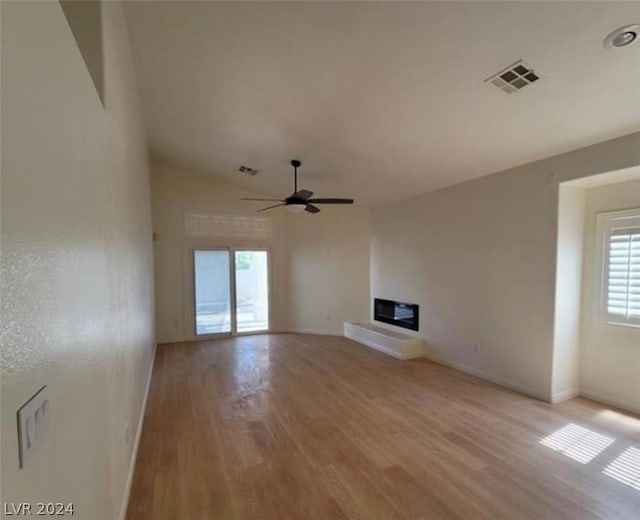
<point>514,77</point>
<point>247,170</point>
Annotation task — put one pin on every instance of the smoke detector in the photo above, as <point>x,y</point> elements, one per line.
<point>515,77</point>
<point>247,170</point>
<point>622,37</point>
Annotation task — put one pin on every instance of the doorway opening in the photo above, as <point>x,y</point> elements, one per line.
<point>231,290</point>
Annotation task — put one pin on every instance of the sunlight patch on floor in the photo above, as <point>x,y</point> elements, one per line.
<point>577,443</point>
<point>626,468</point>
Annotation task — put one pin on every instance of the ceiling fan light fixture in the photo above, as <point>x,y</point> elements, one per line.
<point>295,208</point>
<point>300,200</point>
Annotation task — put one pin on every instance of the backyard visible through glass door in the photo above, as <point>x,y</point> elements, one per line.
<point>252,291</point>
<point>212,291</point>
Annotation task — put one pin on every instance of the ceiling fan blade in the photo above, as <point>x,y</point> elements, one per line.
<point>302,194</point>
<point>264,200</point>
<point>271,207</point>
<point>331,201</point>
<point>311,208</point>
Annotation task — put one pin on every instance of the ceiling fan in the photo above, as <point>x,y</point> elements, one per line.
<point>301,200</point>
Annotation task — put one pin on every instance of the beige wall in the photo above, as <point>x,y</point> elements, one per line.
<point>610,370</point>
<point>77,296</point>
<point>319,263</point>
<point>480,259</point>
<point>176,192</point>
<point>328,268</point>
<point>565,382</point>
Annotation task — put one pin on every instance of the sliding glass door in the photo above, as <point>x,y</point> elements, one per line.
<point>212,281</point>
<point>231,291</point>
<point>252,291</point>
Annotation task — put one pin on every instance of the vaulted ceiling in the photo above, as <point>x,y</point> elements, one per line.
<point>379,100</point>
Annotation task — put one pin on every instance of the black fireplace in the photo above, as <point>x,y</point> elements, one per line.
<point>401,314</point>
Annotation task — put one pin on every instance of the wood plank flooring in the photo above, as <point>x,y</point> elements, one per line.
<point>290,426</point>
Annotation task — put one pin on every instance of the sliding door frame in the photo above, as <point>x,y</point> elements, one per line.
<point>194,314</point>
<point>231,250</point>
<point>269,302</point>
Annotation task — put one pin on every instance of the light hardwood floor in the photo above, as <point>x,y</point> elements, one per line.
<point>290,426</point>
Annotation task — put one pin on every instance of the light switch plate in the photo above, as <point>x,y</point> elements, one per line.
<point>33,424</point>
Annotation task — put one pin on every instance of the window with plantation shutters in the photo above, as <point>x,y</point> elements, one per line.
<point>620,289</point>
<point>623,274</point>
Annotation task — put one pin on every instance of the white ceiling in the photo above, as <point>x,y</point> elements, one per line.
<point>380,101</point>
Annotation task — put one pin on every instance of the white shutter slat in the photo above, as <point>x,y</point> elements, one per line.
<point>623,273</point>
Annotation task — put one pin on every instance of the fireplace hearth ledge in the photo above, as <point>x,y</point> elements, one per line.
<point>396,344</point>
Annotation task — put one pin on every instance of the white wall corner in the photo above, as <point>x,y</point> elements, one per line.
<point>558,397</point>
<point>565,369</point>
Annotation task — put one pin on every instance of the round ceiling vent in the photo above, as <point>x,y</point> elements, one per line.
<point>622,37</point>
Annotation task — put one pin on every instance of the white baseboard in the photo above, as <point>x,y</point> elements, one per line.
<point>512,385</point>
<point>565,395</point>
<point>314,331</point>
<point>136,442</point>
<point>611,401</point>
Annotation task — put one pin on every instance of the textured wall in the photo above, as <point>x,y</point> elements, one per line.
<point>77,295</point>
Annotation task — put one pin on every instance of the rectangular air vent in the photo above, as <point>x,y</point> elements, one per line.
<point>247,170</point>
<point>514,77</point>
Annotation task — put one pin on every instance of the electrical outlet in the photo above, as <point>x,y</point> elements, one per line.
<point>327,317</point>
<point>33,424</point>
<point>476,348</point>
